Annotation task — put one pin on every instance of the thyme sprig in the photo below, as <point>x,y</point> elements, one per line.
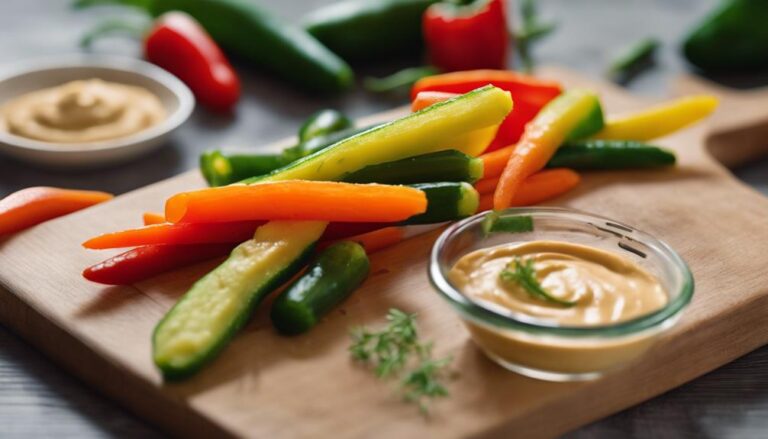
<point>524,274</point>
<point>396,351</point>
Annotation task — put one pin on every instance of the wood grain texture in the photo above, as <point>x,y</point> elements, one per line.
<point>270,386</point>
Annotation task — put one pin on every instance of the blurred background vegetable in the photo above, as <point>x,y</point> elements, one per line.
<point>733,37</point>
<point>177,43</point>
<point>180,45</point>
<point>469,36</point>
<point>369,30</point>
<point>633,60</point>
<point>252,33</point>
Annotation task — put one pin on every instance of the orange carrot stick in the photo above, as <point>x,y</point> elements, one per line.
<point>34,205</point>
<point>176,234</point>
<point>151,218</point>
<point>540,140</point>
<point>428,98</point>
<point>495,161</point>
<point>379,239</point>
<point>297,200</point>
<point>487,185</point>
<point>536,189</point>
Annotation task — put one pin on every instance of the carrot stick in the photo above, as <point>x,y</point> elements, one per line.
<point>379,239</point>
<point>537,188</point>
<point>487,185</point>
<point>297,200</point>
<point>495,161</point>
<point>211,233</point>
<point>34,205</point>
<point>151,218</point>
<point>541,139</point>
<point>176,234</point>
<point>428,98</point>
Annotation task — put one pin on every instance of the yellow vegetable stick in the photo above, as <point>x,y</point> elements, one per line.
<point>659,121</point>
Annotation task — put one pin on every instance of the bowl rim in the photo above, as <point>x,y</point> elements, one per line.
<point>126,64</point>
<point>506,319</point>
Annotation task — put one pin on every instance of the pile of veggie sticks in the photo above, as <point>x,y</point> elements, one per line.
<point>186,339</point>
<point>301,203</point>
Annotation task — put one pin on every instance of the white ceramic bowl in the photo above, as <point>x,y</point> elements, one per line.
<point>28,76</point>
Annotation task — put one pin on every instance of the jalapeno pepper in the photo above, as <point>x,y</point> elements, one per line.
<point>466,37</point>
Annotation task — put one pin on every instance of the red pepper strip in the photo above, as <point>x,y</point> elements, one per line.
<point>144,262</point>
<point>529,94</point>
<point>180,45</point>
<point>176,234</point>
<point>209,233</point>
<point>465,37</point>
<point>522,87</point>
<point>35,205</point>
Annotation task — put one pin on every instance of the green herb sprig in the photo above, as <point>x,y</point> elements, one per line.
<point>524,275</point>
<point>424,383</point>
<point>531,31</point>
<point>396,351</point>
<point>401,80</point>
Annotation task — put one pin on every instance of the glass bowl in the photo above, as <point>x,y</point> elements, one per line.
<point>541,348</point>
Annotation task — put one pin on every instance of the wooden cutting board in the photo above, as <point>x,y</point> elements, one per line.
<point>265,385</point>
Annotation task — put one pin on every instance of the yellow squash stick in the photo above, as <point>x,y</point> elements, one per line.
<point>659,121</point>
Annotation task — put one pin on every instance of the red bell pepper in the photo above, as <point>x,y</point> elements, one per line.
<point>530,94</point>
<point>144,262</point>
<point>180,45</point>
<point>465,37</point>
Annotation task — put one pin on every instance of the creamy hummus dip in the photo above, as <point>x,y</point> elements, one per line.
<point>82,111</point>
<point>594,288</point>
<point>603,287</point>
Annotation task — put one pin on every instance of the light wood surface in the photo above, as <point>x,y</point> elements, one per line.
<point>269,386</point>
<point>740,128</point>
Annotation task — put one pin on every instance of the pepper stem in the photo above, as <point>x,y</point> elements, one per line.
<point>141,4</point>
<point>113,27</point>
